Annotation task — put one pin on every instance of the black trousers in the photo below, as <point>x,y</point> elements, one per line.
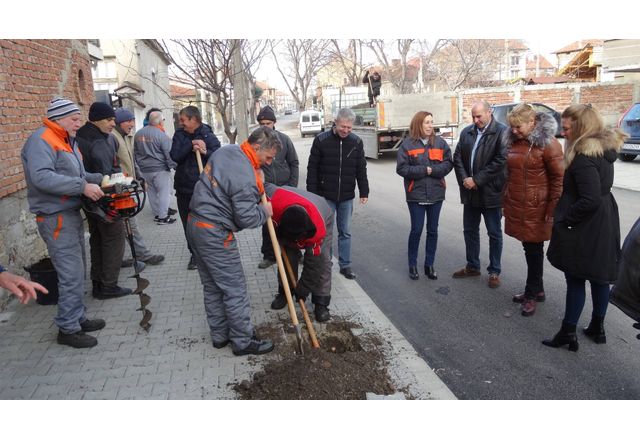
<point>534,254</point>
<point>267,247</point>
<point>107,248</point>
<point>183,201</point>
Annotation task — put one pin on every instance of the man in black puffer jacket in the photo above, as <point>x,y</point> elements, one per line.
<point>336,163</point>
<point>194,137</point>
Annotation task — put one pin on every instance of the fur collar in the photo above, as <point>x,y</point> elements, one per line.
<point>596,146</point>
<point>543,133</point>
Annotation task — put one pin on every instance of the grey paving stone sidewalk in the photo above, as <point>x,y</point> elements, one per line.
<point>175,359</point>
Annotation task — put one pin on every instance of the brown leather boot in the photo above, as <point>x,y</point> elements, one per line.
<point>528,307</point>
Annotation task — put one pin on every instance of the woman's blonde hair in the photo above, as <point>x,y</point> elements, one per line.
<point>585,121</point>
<point>415,127</point>
<point>521,113</point>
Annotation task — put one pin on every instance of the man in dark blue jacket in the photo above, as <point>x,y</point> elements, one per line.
<point>336,164</point>
<point>192,138</point>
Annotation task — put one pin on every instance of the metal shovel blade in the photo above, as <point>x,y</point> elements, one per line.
<point>300,350</point>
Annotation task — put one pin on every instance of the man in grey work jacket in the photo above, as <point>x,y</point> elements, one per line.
<point>151,147</point>
<point>224,201</point>
<point>56,179</point>
<point>480,161</point>
<point>282,172</point>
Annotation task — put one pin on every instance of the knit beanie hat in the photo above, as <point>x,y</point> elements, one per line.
<point>266,114</point>
<point>295,224</point>
<point>99,111</point>
<point>60,107</point>
<point>123,115</point>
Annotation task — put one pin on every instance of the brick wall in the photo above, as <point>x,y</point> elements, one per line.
<point>611,99</point>
<point>32,72</point>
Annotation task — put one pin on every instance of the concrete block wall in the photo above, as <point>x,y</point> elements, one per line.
<point>32,72</point>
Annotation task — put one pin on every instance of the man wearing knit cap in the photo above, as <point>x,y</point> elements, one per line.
<point>56,179</point>
<point>107,238</point>
<point>123,136</point>
<point>283,171</point>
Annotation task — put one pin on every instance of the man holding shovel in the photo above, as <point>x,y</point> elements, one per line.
<point>304,220</point>
<point>193,137</point>
<point>225,200</point>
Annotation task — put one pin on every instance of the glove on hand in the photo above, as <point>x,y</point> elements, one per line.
<point>300,294</point>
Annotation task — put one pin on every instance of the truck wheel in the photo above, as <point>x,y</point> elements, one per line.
<point>627,157</point>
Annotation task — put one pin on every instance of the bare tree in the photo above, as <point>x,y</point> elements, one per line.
<point>350,59</point>
<point>399,73</point>
<point>303,59</point>
<point>253,52</point>
<point>466,63</point>
<point>208,65</point>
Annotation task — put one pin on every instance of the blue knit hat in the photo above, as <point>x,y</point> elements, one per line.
<point>123,115</point>
<point>60,107</point>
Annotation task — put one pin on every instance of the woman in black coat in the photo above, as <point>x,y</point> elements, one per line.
<point>585,240</point>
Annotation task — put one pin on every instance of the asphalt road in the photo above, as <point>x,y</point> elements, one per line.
<point>472,336</point>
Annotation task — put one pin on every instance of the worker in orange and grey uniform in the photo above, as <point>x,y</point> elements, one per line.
<point>224,201</point>
<point>304,221</point>
<point>56,179</point>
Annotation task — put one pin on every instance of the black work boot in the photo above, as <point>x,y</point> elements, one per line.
<point>256,347</point>
<point>279,302</point>
<point>595,330</point>
<point>77,340</point>
<point>566,336</point>
<point>92,325</point>
<point>322,313</point>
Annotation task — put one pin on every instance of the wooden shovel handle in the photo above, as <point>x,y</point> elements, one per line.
<point>305,314</point>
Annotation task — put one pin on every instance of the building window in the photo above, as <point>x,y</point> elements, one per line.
<point>515,60</point>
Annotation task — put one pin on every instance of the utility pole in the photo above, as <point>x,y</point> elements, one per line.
<point>239,93</point>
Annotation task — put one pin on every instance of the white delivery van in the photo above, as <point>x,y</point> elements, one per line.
<point>310,122</point>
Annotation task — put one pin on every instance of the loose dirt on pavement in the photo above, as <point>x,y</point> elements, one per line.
<point>345,367</point>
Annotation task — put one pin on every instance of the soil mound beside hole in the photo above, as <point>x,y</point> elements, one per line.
<point>340,369</point>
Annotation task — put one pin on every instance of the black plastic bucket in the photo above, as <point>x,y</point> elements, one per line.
<point>44,273</point>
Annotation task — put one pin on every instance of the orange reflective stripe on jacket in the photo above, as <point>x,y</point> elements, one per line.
<point>414,152</point>
<point>436,154</point>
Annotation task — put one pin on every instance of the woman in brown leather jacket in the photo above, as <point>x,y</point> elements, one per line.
<point>534,184</point>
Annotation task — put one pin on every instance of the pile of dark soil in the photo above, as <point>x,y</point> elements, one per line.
<point>345,367</point>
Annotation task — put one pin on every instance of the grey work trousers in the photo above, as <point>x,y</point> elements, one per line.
<point>63,233</point>
<point>107,250</point>
<point>158,191</point>
<point>226,301</point>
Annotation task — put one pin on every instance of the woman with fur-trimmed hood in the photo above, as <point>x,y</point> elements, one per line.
<point>534,185</point>
<point>585,241</point>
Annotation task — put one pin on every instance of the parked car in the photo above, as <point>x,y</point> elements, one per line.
<point>501,111</point>
<point>288,111</point>
<point>630,124</point>
<point>310,122</point>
